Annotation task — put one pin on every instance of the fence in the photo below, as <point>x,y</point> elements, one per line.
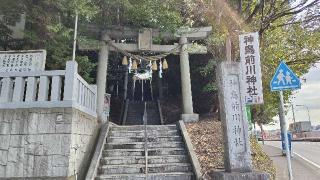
<point>48,89</point>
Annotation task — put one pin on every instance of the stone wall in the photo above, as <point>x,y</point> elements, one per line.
<point>40,143</point>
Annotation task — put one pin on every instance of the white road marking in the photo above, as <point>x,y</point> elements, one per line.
<point>307,160</point>
<point>303,158</point>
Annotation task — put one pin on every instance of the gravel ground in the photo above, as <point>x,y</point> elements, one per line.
<point>206,137</point>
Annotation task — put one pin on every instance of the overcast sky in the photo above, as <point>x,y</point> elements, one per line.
<point>308,95</point>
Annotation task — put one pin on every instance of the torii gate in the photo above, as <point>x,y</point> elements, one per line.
<point>144,37</point>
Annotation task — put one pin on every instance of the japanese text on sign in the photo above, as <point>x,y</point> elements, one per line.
<point>22,61</point>
<point>237,136</point>
<point>250,68</point>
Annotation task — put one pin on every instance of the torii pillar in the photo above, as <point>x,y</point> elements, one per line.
<point>188,114</point>
<point>102,77</point>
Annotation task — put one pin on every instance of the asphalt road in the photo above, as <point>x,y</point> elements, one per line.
<point>305,162</point>
<point>308,150</point>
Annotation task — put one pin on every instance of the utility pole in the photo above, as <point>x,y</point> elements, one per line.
<point>75,37</point>
<point>294,119</point>
<point>307,111</point>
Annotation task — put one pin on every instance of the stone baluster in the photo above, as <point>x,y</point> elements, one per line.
<point>43,88</point>
<point>70,88</point>
<point>18,91</point>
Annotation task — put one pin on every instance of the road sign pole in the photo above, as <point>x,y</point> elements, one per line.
<point>285,133</point>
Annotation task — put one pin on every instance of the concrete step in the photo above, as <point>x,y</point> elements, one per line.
<point>140,168</point>
<point>152,133</point>
<point>134,114</point>
<point>134,118</point>
<point>140,152</point>
<point>153,116</point>
<point>151,176</point>
<point>121,160</point>
<point>141,127</point>
<point>142,139</point>
<point>140,145</point>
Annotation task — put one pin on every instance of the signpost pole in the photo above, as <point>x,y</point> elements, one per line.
<point>284,79</point>
<point>285,133</point>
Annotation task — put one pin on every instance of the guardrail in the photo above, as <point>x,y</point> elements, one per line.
<point>47,89</point>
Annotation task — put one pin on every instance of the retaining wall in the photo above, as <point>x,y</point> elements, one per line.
<point>45,143</point>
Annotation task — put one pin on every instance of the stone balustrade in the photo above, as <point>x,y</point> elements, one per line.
<point>48,89</point>
<point>48,124</point>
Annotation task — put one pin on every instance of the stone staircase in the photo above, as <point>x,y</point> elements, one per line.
<point>153,113</point>
<point>124,154</point>
<point>135,113</point>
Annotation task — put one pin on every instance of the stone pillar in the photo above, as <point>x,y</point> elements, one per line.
<point>188,115</point>
<point>102,76</point>
<point>237,154</point>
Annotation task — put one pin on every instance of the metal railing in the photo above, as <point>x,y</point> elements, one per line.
<point>145,121</point>
<point>124,111</point>
<point>160,112</point>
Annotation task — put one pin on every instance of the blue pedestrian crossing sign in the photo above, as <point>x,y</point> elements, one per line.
<point>284,79</point>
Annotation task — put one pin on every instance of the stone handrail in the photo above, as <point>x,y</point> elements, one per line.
<point>86,95</point>
<point>193,157</point>
<point>93,168</point>
<point>47,89</point>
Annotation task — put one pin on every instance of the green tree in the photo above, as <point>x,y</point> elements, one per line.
<point>50,23</point>
<point>284,34</point>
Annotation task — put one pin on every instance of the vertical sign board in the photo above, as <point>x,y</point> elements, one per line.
<point>22,61</point>
<point>106,107</point>
<point>234,118</point>
<point>250,68</point>
<point>145,39</point>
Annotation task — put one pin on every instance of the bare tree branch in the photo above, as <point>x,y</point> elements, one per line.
<point>254,12</point>
<point>248,6</point>
<point>308,20</point>
<point>239,6</point>
<point>294,10</point>
<point>291,11</point>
